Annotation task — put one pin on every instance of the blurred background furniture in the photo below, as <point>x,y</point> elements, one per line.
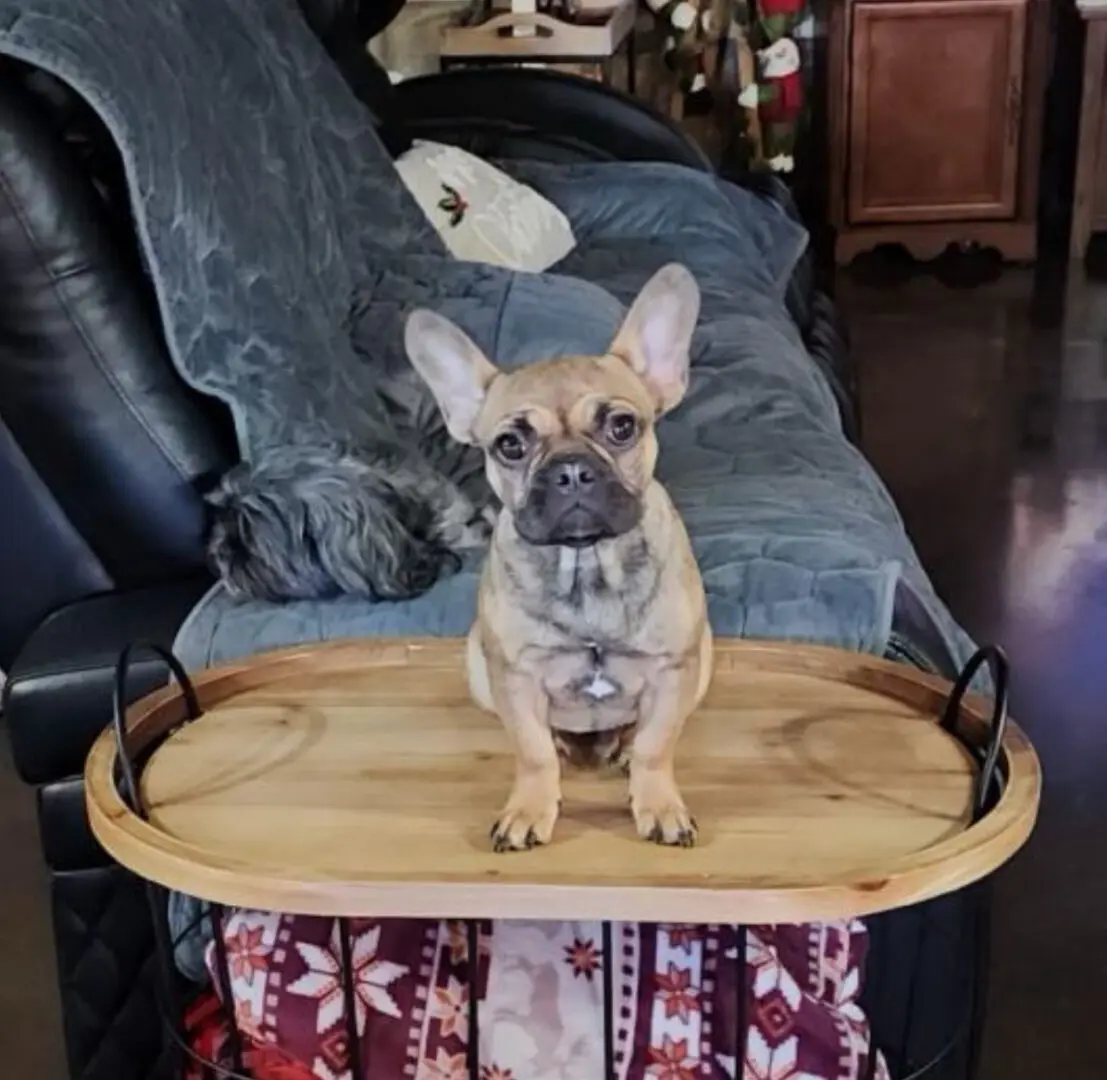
<point>935,124</point>
<point>589,41</point>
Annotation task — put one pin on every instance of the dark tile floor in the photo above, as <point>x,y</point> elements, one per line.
<point>992,434</point>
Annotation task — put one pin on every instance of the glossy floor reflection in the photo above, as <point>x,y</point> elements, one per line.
<point>992,434</point>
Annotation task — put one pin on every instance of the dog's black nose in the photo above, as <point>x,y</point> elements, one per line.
<point>575,474</point>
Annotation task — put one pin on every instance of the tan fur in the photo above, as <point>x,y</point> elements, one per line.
<point>628,611</point>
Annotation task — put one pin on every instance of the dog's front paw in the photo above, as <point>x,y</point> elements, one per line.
<point>659,812</point>
<point>527,820</point>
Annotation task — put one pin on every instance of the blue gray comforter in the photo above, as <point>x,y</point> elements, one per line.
<point>796,536</point>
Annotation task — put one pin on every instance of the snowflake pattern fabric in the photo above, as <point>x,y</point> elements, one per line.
<point>540,990</point>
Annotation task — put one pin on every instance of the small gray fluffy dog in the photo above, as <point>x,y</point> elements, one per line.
<point>382,519</point>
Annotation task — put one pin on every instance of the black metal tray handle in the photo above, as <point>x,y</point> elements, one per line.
<point>989,780</point>
<point>127,778</point>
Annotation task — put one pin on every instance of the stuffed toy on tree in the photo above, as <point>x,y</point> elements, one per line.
<point>778,96</point>
<point>779,18</point>
<point>692,30</point>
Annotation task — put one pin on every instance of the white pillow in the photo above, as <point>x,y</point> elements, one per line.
<point>482,214</point>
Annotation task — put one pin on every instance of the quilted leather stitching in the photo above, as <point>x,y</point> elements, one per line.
<point>107,974</point>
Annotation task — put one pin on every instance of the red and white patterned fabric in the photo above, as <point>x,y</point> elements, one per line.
<point>541,1018</point>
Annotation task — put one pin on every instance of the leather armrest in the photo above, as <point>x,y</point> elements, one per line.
<point>64,830</point>
<point>487,106</point>
<point>58,695</point>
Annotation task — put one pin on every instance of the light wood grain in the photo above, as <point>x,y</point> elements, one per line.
<point>356,778</point>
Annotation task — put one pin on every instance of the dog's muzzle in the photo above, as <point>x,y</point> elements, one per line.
<point>576,500</point>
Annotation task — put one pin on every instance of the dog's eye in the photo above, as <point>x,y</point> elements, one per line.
<point>621,428</point>
<point>510,446</point>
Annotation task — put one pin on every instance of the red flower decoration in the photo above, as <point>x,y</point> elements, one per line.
<point>583,958</point>
<point>683,936</point>
<point>245,953</point>
<point>671,1061</point>
<point>444,1066</point>
<point>244,1017</point>
<point>450,1007</point>
<point>677,994</point>
<point>457,936</point>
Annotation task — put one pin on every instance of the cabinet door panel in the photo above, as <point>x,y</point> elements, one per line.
<point>935,109</point>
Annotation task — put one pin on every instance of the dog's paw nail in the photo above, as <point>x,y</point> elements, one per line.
<point>501,838</point>
<point>687,838</point>
<point>656,836</point>
<point>522,827</point>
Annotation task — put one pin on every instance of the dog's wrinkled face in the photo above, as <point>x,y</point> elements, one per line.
<point>570,448</point>
<point>569,443</point>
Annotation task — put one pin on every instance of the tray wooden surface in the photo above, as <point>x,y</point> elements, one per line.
<point>356,778</point>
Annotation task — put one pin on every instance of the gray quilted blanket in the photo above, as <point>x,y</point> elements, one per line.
<point>795,534</point>
<point>285,252</point>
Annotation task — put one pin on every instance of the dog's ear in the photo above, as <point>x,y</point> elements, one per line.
<point>656,335</point>
<point>456,371</point>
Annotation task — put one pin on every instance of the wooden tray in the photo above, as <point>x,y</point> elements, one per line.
<point>357,779</point>
<point>550,38</point>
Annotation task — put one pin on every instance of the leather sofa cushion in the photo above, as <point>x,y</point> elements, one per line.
<point>86,385</point>
<point>67,840</point>
<point>58,696</point>
<point>44,562</point>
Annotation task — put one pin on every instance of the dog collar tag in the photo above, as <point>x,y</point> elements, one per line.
<point>600,688</point>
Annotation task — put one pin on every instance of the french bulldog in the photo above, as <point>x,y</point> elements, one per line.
<point>591,637</point>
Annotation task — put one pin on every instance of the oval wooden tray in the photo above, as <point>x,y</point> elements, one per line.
<point>357,779</point>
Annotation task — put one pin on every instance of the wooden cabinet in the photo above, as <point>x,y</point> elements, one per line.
<point>1089,212</point>
<point>935,109</point>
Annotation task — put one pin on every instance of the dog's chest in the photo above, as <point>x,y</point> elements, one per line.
<point>589,675</point>
<point>584,617</point>
<point>591,688</point>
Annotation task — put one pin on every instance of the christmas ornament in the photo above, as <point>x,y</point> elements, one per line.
<point>780,99</point>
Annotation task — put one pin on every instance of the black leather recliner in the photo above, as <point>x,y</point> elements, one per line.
<point>104,453</point>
